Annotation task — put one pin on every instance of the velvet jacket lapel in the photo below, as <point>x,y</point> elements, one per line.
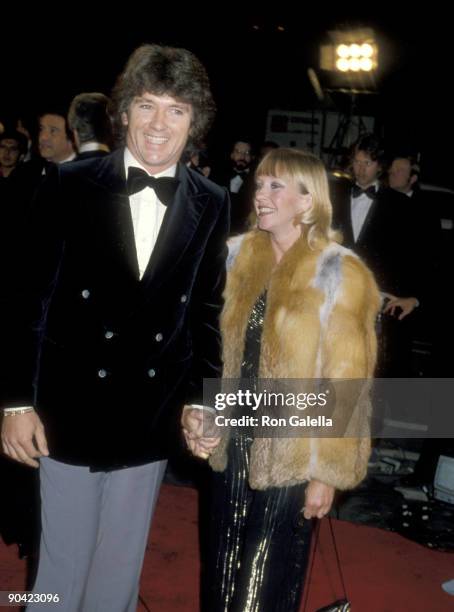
<point>114,214</point>
<point>178,227</point>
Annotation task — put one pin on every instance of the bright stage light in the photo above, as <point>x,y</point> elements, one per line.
<point>350,51</point>
<point>343,51</point>
<point>343,64</point>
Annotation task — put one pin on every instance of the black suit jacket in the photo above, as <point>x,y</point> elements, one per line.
<point>387,242</point>
<point>106,358</point>
<point>242,202</point>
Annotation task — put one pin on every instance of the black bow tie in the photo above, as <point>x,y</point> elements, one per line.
<point>371,191</point>
<point>164,187</point>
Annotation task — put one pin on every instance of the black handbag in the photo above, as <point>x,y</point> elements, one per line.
<point>341,605</point>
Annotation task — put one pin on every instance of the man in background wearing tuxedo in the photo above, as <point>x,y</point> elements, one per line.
<point>238,177</point>
<point>374,223</point>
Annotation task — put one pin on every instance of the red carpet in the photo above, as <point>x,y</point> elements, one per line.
<point>383,571</point>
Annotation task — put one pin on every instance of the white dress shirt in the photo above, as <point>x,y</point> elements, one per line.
<point>235,183</point>
<point>147,213</point>
<point>360,207</point>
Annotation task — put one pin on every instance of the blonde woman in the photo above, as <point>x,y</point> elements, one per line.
<point>297,305</point>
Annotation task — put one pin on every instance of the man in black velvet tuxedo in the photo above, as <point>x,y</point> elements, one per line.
<point>116,305</point>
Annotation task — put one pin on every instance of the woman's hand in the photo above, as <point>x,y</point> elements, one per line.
<point>406,305</point>
<point>199,431</point>
<point>318,500</point>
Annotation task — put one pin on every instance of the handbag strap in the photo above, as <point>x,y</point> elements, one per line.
<point>339,567</point>
<point>311,567</point>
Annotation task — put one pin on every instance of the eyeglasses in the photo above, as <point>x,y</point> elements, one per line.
<point>244,152</point>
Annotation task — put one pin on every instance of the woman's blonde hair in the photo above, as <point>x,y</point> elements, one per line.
<point>308,172</point>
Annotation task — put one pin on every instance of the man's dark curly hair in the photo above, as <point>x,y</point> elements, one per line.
<point>372,145</point>
<point>166,71</point>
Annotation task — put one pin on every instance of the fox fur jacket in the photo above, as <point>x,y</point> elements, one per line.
<point>319,322</point>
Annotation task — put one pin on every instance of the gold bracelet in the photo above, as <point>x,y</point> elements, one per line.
<point>19,411</point>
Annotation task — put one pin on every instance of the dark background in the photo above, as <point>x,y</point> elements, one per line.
<point>53,52</point>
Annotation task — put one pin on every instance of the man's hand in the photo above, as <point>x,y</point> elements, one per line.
<point>199,431</point>
<point>407,305</point>
<point>318,500</point>
<point>23,438</point>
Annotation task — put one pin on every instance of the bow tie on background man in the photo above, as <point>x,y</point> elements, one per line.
<point>164,187</point>
<point>371,191</point>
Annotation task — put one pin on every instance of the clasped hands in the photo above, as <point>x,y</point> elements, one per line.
<point>202,437</point>
<point>200,431</point>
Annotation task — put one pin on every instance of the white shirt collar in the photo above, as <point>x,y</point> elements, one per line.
<point>93,146</point>
<point>68,159</point>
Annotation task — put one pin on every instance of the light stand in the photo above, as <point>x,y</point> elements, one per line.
<point>350,127</point>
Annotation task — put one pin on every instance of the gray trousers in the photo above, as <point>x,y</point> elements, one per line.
<point>94,533</point>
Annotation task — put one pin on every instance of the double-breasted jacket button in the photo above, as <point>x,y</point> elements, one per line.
<point>183,298</point>
<point>85,294</point>
<point>158,337</point>
<point>102,373</point>
<point>151,373</point>
<point>108,334</point>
